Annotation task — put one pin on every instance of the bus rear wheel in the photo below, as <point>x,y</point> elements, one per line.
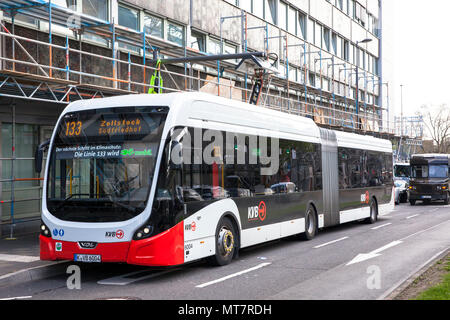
<point>310,224</point>
<point>373,212</point>
<point>225,243</point>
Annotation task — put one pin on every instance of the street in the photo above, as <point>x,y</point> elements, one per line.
<point>351,261</point>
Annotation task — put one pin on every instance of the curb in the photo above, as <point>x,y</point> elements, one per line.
<point>398,288</point>
<point>34,273</point>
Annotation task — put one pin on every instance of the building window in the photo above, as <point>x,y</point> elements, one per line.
<point>154,26</point>
<point>334,43</point>
<point>346,51</point>
<point>258,8</point>
<point>214,46</point>
<point>301,30</point>
<point>246,5</point>
<point>311,31</point>
<point>318,37</point>
<point>198,41</point>
<point>283,16</point>
<point>292,20</point>
<point>175,33</point>
<point>98,8</point>
<point>270,11</point>
<point>129,18</point>
<point>326,39</point>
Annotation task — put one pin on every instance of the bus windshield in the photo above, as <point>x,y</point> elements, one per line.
<point>402,171</point>
<point>439,171</point>
<point>102,163</point>
<point>433,171</point>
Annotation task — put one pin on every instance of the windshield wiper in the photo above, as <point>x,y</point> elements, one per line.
<point>70,197</point>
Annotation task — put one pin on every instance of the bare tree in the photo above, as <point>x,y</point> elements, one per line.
<point>437,122</point>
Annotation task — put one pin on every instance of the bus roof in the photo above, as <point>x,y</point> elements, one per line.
<point>424,159</point>
<point>195,108</point>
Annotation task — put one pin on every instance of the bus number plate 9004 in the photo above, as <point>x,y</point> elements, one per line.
<point>90,258</point>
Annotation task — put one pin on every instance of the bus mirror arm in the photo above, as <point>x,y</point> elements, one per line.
<point>39,155</point>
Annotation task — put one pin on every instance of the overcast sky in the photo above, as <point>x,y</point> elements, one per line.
<point>416,48</point>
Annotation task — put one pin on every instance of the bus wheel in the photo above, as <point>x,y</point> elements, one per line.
<point>373,212</point>
<point>310,224</point>
<point>412,202</point>
<point>225,243</point>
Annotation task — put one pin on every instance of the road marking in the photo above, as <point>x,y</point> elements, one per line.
<point>375,253</point>
<point>262,265</point>
<point>128,278</point>
<point>16,258</point>
<point>16,298</point>
<point>422,231</point>
<point>331,242</point>
<point>382,226</point>
<point>410,217</point>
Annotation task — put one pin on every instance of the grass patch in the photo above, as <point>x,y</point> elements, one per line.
<point>440,291</point>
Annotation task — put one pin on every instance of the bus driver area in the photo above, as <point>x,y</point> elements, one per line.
<point>180,186</point>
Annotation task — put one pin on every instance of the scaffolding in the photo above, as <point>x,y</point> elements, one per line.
<point>63,69</point>
<point>409,132</point>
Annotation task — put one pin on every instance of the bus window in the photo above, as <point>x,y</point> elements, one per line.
<point>420,171</point>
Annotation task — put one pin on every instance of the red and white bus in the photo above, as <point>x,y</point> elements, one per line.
<point>243,175</point>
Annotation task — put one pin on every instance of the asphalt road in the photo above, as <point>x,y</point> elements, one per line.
<point>352,261</point>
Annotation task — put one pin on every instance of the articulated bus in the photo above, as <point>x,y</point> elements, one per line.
<point>430,179</point>
<point>163,180</point>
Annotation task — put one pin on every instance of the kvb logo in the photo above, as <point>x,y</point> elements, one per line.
<point>257,212</point>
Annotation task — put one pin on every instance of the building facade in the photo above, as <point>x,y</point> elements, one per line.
<point>328,54</point>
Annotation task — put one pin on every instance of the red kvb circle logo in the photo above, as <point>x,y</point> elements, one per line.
<point>193,226</point>
<point>262,211</point>
<point>120,234</point>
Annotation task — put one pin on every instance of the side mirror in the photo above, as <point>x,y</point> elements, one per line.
<point>39,155</point>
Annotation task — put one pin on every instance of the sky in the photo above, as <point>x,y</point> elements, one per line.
<point>416,40</point>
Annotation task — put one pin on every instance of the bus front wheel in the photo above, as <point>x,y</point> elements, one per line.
<point>226,237</point>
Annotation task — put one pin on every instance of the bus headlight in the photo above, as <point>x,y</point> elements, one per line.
<point>143,232</point>
<point>45,231</point>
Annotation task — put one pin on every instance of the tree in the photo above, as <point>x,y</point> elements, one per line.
<point>437,123</point>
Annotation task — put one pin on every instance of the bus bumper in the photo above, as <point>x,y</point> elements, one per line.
<point>165,249</point>
<point>109,252</point>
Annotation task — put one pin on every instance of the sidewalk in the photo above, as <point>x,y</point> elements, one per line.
<point>19,261</point>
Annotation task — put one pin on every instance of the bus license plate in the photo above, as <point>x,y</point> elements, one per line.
<point>426,197</point>
<point>90,258</point>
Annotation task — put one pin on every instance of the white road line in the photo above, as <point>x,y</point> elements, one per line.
<point>331,242</point>
<point>410,217</point>
<point>16,298</point>
<point>422,231</point>
<point>128,278</point>
<point>16,258</point>
<point>382,226</point>
<point>262,265</point>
